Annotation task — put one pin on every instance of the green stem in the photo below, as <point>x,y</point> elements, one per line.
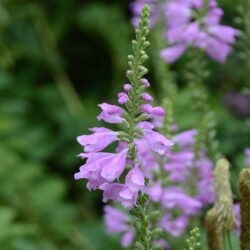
<point>229,240</point>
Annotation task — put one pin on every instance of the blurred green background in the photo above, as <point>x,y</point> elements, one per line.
<point>58,60</point>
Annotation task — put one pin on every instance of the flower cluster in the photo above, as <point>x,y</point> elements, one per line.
<point>192,23</point>
<point>103,169</point>
<point>197,23</point>
<point>119,175</point>
<point>180,186</point>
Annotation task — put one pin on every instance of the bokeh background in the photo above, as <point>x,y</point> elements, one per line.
<point>58,60</point>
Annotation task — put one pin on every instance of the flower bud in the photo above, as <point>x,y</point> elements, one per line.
<point>145,82</point>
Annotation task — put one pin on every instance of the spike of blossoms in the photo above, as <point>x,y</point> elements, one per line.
<point>179,186</point>
<point>224,200</point>
<point>105,170</point>
<point>213,231</point>
<point>244,189</point>
<point>197,23</point>
<point>192,22</point>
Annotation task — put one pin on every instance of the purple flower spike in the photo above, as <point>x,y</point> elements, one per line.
<point>204,32</point>
<point>110,113</point>
<point>99,140</point>
<point>122,98</point>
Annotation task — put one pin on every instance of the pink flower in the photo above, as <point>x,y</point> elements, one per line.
<point>102,167</point>
<point>91,170</point>
<point>113,166</point>
<point>119,193</point>
<point>126,193</point>
<point>145,82</point>
<point>152,111</point>
<point>110,113</point>
<point>122,98</point>
<point>99,140</point>
<point>157,142</point>
<point>135,179</point>
<point>127,87</point>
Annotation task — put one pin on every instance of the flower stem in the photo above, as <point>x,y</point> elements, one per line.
<point>144,234</point>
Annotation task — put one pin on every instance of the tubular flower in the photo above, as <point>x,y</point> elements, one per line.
<point>99,140</point>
